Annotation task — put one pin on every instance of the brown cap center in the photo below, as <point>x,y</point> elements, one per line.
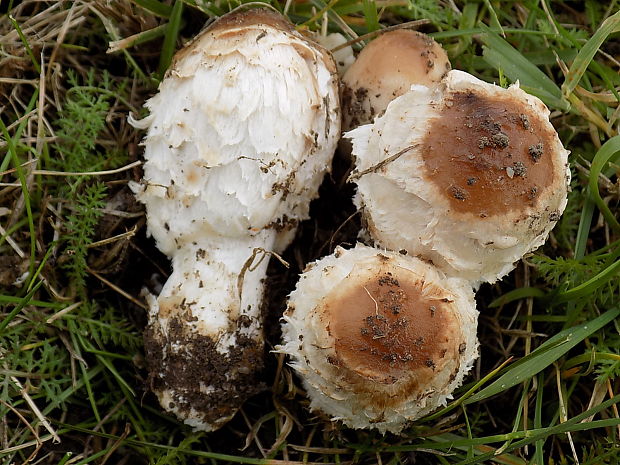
<point>384,328</point>
<point>489,156</point>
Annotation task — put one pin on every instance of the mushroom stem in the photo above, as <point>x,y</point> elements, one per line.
<point>204,338</point>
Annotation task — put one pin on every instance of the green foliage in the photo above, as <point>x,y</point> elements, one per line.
<point>178,455</point>
<point>105,327</point>
<point>29,350</point>
<point>563,273</point>
<point>88,209</point>
<point>81,121</point>
<point>429,9</point>
<point>565,231</point>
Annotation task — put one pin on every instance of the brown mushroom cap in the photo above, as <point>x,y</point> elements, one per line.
<point>467,174</point>
<point>378,338</point>
<point>385,69</point>
<point>388,325</point>
<point>486,155</point>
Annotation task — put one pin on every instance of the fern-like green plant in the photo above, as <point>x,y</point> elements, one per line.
<point>26,349</point>
<point>88,209</point>
<point>81,121</point>
<point>568,273</point>
<point>105,327</point>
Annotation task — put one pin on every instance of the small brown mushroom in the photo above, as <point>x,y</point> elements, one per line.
<point>385,69</point>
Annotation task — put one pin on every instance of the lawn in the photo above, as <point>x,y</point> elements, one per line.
<point>75,256</point>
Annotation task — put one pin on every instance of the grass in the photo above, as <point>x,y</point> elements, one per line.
<point>74,254</point>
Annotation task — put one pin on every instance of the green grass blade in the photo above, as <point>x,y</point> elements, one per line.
<point>137,39</point>
<point>106,363</point>
<point>448,441</point>
<point>493,18</point>
<point>23,302</point>
<point>190,452</point>
<point>607,153</point>
<point>83,368</point>
<point>501,55</point>
<point>538,458</point>
<point>461,400</point>
<point>6,299</point>
<point>110,366</point>
<point>13,156</point>
<point>170,39</point>
<point>155,7</point>
<point>587,52</point>
<point>583,230</point>
<point>544,356</point>
<point>468,20</point>
<point>573,424</point>
<point>480,30</point>
<point>93,457</point>
<point>535,435</point>
<point>370,13</point>
<point>24,40</point>
<point>517,294</point>
<point>587,288</point>
<point>12,229</point>
<point>49,252</point>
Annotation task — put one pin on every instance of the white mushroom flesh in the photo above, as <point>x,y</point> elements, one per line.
<point>467,174</point>
<point>238,140</point>
<point>378,338</point>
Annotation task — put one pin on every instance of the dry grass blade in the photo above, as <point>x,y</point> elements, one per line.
<point>46,424</point>
<point>116,444</point>
<point>63,312</point>
<point>118,289</point>
<point>371,35</point>
<point>39,443</point>
<point>321,450</point>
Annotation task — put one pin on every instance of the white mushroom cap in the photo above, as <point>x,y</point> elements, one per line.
<point>344,57</point>
<point>379,338</point>
<point>241,132</point>
<point>239,138</point>
<point>385,69</point>
<point>469,175</point>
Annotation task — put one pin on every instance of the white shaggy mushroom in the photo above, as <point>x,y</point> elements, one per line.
<point>467,174</point>
<point>385,69</point>
<point>239,138</point>
<point>378,338</point>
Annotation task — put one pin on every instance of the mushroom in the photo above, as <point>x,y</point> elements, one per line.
<point>467,174</point>
<point>379,338</point>
<point>385,69</point>
<point>239,138</point>
<point>343,57</point>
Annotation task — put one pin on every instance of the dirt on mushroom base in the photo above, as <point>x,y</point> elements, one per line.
<point>190,382</point>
